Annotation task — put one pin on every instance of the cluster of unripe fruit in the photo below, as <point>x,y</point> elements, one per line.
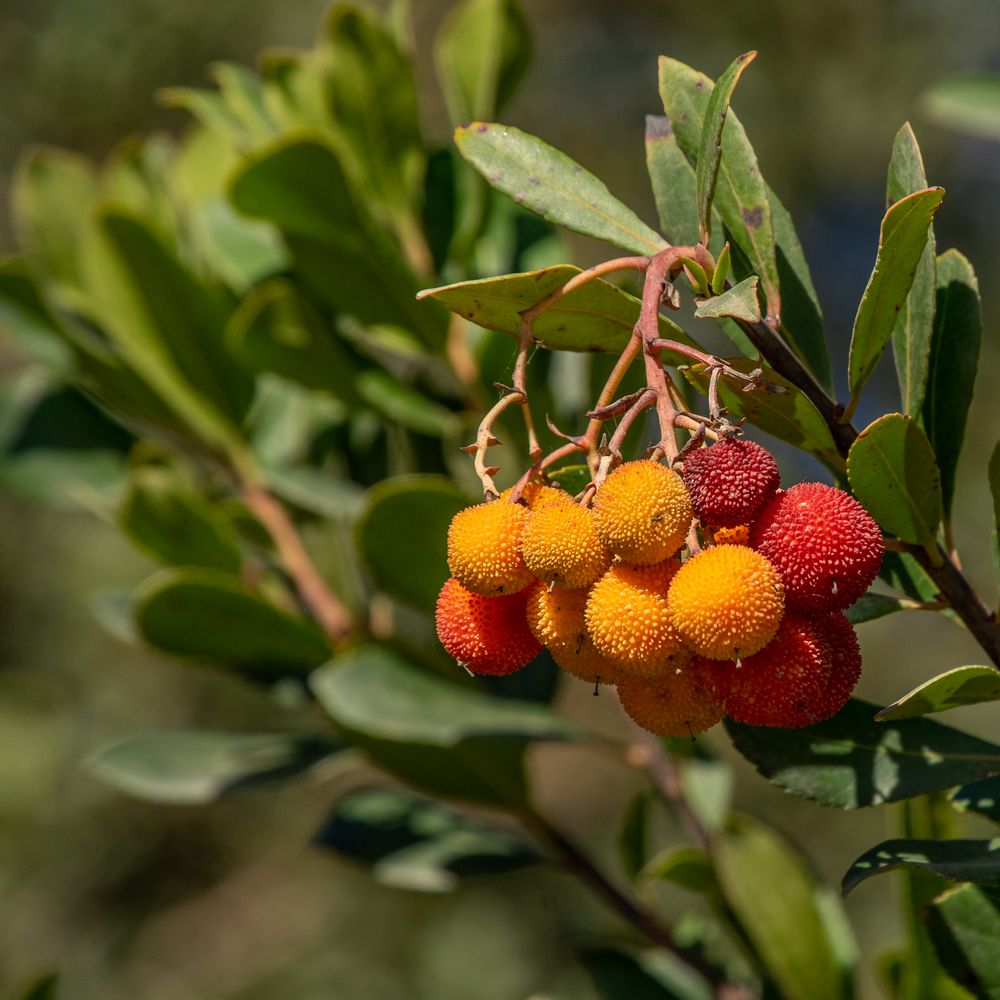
<point>749,624</point>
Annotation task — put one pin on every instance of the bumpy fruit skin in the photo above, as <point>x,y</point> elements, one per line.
<point>537,494</point>
<point>826,546</point>
<point>560,546</point>
<point>679,703</point>
<point>783,684</point>
<point>740,535</point>
<point>487,635</point>
<point>846,670</point>
<point>642,512</point>
<point>557,620</point>
<point>628,620</point>
<point>726,602</point>
<point>484,548</point>
<point>730,481</point>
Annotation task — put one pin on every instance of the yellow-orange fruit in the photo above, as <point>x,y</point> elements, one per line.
<point>740,535</point>
<point>484,548</point>
<point>556,619</point>
<point>642,512</point>
<point>537,494</point>
<point>629,623</point>
<point>560,546</point>
<point>487,635</point>
<point>679,703</point>
<point>726,602</point>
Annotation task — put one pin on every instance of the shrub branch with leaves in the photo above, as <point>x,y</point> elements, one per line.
<point>261,347</point>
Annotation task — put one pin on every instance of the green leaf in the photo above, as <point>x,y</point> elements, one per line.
<point>27,319</point>
<point>710,146</point>
<point>209,108</point>
<point>572,478</point>
<point>902,239</point>
<point>982,797</point>
<point>968,102</point>
<point>911,337</point>
<point>275,329</point>
<point>300,185</point>
<point>651,975</point>
<point>952,689</point>
<point>444,738</point>
<point>741,195</point>
<point>873,606</point>
<point>549,183</point>
<point>174,524</point>
<point>482,51</point>
<point>408,842</point>
<point>772,894</point>
<point>44,987</point>
<point>957,860</point>
<point>993,473</point>
<point>596,316</point>
<point>739,302</point>
<point>404,404</point>
<point>788,415</point>
<point>673,182</point>
<point>408,564</point>
<point>954,358</point>
<point>633,838</point>
<point>211,615</point>
<point>851,760</point>
<point>371,96</point>
<point>964,927</point>
<point>167,324</point>
<point>52,192</point>
<point>688,867</point>
<point>243,93</point>
<point>708,788</point>
<point>893,474</point>
<point>721,272</point>
<point>191,767</point>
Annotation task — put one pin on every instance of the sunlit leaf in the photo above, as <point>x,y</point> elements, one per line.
<point>673,182</point>
<point>964,927</point>
<point>957,860</point>
<point>952,689</point>
<point>739,302</point>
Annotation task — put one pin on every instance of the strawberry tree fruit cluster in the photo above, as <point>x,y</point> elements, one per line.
<point>698,591</point>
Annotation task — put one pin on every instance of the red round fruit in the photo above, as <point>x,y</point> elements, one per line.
<point>730,481</point>
<point>487,635</point>
<point>846,669</point>
<point>826,546</point>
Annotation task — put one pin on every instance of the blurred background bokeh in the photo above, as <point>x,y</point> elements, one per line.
<point>133,900</point>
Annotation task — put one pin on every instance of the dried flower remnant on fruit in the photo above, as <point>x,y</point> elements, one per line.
<point>726,602</point>
<point>678,703</point>
<point>560,546</point>
<point>628,620</point>
<point>484,548</point>
<point>643,512</point>
<point>486,635</point>
<point>826,546</point>
<point>536,494</point>
<point>557,620</point>
<point>730,481</point>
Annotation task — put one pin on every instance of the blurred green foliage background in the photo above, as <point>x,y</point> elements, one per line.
<point>131,900</point>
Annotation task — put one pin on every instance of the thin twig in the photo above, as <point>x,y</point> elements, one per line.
<point>485,439</point>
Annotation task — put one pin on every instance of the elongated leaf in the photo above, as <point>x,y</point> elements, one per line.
<point>967,102</point>
<point>437,735</point>
<point>852,760</point>
<point>911,337</point>
<point>408,842</point>
<point>209,108</point>
<point>769,888</point>
<point>993,473</point>
<point>174,524</point>
<point>873,606</point>
<point>739,302</point>
<point>300,185</point>
<point>954,359</point>
<point>190,766</point>
<point>411,565</point>
<point>597,316</point>
<point>549,183</point>
<point>650,975</point>
<point>892,472</point>
<point>957,860</point>
<point>673,182</point>
<point>710,146</point>
<point>964,927</point>
<point>211,615</point>
<point>952,689</point>
<point>741,194</point>
<point>167,325</point>
<point>982,797</point>
<point>275,329</point>
<point>688,867</point>
<point>481,52</point>
<point>243,93</point>
<point>27,319</point>
<point>902,239</point>
<point>788,415</point>
<point>633,838</point>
